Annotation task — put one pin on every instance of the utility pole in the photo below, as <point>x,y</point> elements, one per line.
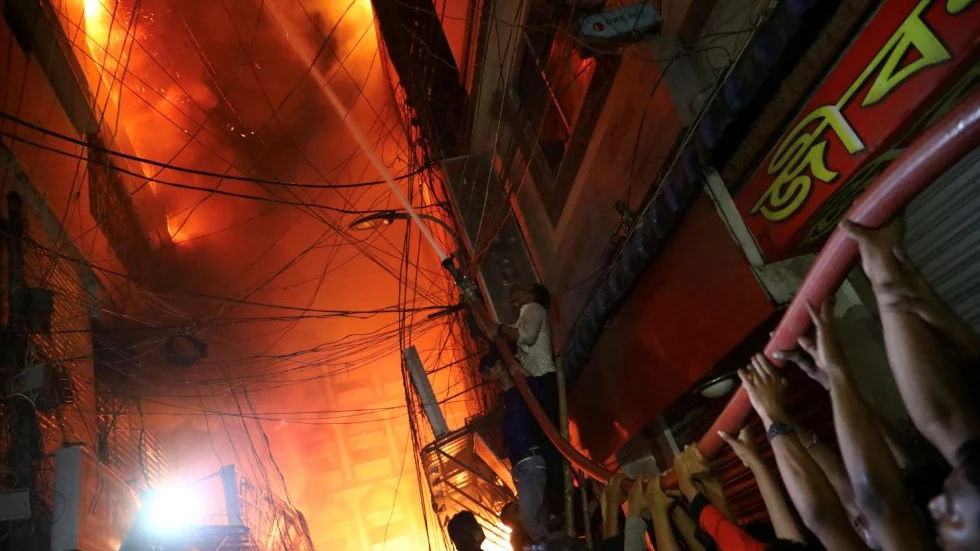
<point>25,434</point>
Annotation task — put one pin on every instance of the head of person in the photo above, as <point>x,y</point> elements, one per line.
<point>521,294</point>
<point>956,509</point>
<point>541,295</point>
<point>465,532</point>
<point>510,515</point>
<point>492,367</point>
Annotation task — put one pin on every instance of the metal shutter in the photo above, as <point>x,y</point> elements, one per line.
<point>943,236</point>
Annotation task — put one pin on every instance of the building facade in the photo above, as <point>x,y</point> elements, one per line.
<point>671,190</point>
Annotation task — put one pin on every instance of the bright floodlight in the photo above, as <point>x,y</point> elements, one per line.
<point>170,509</point>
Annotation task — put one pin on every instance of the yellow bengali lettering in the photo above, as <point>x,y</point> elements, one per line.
<point>915,35</point>
<point>801,156</point>
<point>956,6</point>
<point>804,149</point>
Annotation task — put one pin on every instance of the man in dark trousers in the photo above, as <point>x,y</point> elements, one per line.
<point>531,338</point>
<point>522,439</point>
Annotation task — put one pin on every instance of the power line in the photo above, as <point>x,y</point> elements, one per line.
<point>188,170</point>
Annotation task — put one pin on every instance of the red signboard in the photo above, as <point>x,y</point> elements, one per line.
<point>911,62</point>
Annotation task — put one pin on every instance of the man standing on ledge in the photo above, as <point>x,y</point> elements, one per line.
<point>532,337</point>
<point>522,439</point>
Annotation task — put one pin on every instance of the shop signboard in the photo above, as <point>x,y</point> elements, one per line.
<point>907,67</point>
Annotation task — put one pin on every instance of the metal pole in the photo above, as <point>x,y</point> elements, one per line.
<point>586,521</point>
<point>565,466</point>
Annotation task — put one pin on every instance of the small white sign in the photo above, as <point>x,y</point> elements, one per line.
<point>630,21</point>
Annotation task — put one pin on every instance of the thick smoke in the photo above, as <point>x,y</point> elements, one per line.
<point>234,97</point>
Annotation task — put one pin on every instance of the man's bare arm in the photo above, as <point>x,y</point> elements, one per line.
<point>879,487</point>
<point>808,488</point>
<point>923,365</point>
<point>772,495</point>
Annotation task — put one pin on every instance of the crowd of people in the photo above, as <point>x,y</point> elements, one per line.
<point>853,496</point>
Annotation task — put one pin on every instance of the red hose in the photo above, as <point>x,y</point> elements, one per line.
<point>925,160</point>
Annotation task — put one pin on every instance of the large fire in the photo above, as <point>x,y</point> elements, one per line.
<point>168,92</point>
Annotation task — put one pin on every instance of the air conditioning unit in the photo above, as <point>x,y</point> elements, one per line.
<point>15,505</point>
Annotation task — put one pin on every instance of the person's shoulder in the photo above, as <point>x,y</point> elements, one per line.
<point>533,307</point>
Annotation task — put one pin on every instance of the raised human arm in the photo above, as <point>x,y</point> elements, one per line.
<point>659,505</point>
<point>808,487</point>
<point>710,484</point>
<point>725,533</point>
<point>828,459</point>
<point>923,364</point>
<point>879,487</point>
<point>634,537</point>
<point>772,495</point>
<point>686,528</point>
<point>610,502</point>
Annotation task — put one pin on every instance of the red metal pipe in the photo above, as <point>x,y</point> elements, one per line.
<point>925,160</point>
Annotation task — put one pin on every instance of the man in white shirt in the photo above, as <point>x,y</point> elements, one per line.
<point>532,336</point>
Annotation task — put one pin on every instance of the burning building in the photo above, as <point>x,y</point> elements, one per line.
<point>187,193</point>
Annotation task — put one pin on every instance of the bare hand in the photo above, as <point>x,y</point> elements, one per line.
<point>612,494</point>
<point>610,502</point>
<point>806,363</point>
<point>518,369</point>
<point>688,465</point>
<point>878,247</point>
<point>636,503</point>
<point>825,348</point>
<point>656,498</point>
<point>744,446</point>
<point>766,389</point>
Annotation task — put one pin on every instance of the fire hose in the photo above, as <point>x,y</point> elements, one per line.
<point>925,160</point>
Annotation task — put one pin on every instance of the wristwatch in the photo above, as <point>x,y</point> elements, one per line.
<point>779,428</point>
